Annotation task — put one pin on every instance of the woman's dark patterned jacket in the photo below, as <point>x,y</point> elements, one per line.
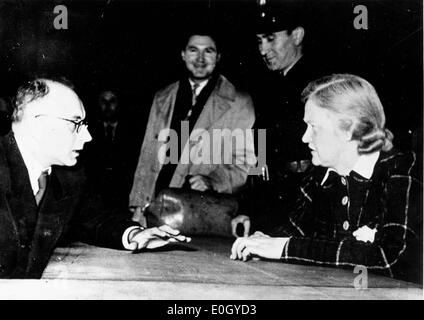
<point>390,201</point>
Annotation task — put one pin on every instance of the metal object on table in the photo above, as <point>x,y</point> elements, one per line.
<point>193,212</point>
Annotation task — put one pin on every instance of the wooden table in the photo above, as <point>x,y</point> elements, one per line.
<point>201,269</point>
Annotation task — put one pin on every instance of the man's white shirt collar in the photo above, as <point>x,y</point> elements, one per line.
<point>33,166</point>
<point>364,166</point>
<point>200,85</point>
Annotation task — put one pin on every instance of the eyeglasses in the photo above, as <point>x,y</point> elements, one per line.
<point>77,123</point>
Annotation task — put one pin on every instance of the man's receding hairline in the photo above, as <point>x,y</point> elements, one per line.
<point>50,82</point>
<point>52,91</point>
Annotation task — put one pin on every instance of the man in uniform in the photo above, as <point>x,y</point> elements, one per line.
<point>281,33</point>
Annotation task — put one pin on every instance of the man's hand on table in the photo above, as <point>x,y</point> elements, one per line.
<point>258,245</point>
<point>155,237</point>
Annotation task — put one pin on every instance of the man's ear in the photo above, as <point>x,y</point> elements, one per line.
<point>183,55</point>
<point>218,57</point>
<point>298,33</point>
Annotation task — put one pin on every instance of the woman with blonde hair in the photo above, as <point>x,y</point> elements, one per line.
<point>361,204</point>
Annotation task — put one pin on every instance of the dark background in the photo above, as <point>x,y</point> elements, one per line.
<point>134,47</point>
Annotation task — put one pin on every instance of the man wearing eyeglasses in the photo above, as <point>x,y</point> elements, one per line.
<point>42,191</point>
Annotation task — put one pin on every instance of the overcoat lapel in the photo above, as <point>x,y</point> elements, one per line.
<point>166,103</point>
<point>214,109</point>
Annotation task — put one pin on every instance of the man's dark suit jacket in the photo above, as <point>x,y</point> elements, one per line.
<point>28,235</point>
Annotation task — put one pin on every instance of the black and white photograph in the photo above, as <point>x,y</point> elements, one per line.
<point>211,150</point>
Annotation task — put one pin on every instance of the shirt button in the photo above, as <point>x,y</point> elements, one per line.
<point>344,200</point>
<point>344,181</point>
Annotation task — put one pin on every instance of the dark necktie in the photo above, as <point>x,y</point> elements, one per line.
<point>193,93</point>
<point>42,183</point>
<point>193,99</point>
